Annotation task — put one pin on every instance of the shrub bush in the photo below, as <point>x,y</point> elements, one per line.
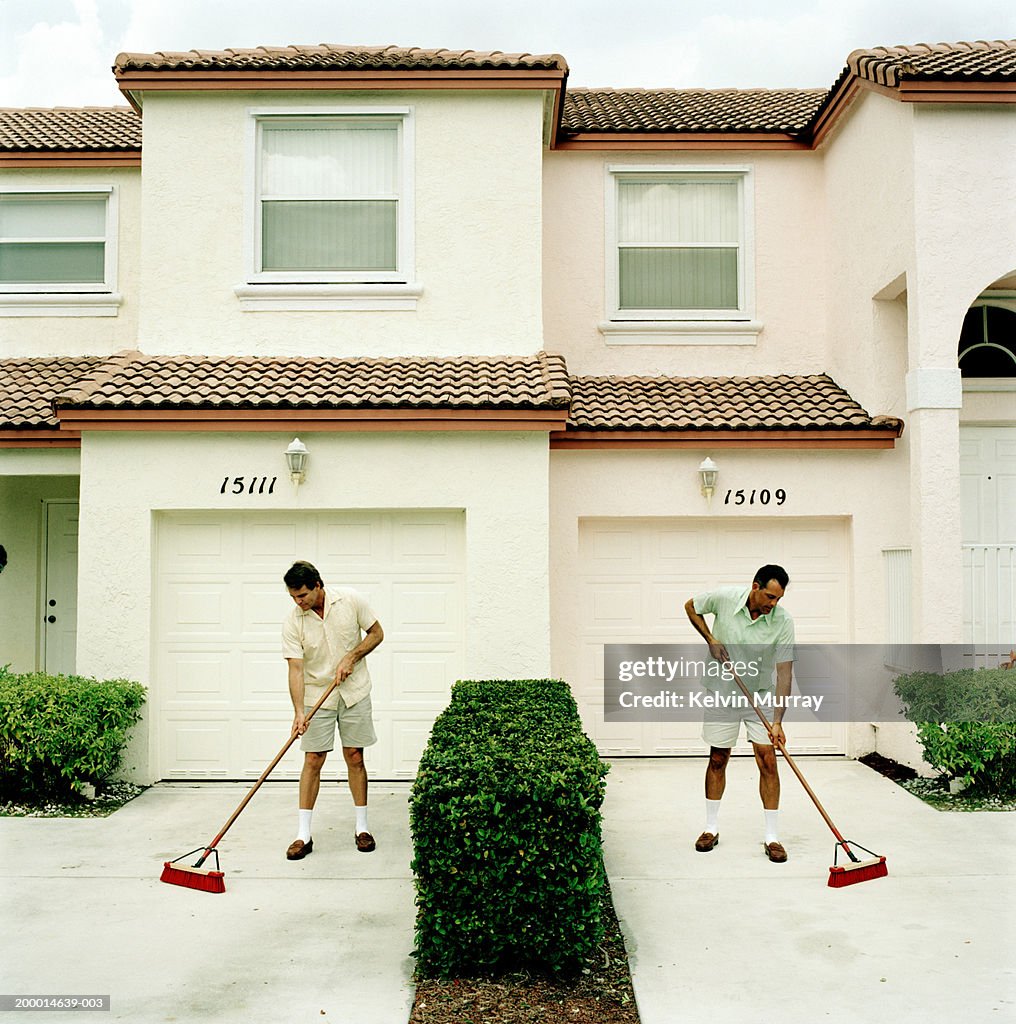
<point>505,818</point>
<point>966,722</point>
<point>59,732</point>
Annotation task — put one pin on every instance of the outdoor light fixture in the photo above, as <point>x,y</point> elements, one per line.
<point>296,459</point>
<point>708,471</point>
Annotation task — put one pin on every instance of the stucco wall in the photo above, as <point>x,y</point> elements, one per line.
<point>789,243</point>
<point>500,479</point>
<point>477,229</point>
<point>90,335</point>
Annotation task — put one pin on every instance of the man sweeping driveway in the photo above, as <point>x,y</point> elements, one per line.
<point>749,628</point>
<point>321,641</point>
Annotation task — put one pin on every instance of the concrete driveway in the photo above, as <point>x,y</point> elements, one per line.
<point>724,936</point>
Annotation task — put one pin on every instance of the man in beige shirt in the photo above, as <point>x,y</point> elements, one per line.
<point>326,638</point>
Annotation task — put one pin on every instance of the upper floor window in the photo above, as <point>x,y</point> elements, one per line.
<point>679,246</point>
<point>57,242</point>
<point>333,199</point>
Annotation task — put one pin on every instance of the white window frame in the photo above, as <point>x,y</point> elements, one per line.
<point>68,298</point>
<point>682,326</point>
<point>330,290</point>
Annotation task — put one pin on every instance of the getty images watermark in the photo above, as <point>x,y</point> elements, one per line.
<point>831,682</point>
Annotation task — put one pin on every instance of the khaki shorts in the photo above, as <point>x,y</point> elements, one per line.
<point>356,727</point>
<point>722,726</point>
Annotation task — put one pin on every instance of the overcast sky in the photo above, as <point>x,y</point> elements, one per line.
<point>59,52</point>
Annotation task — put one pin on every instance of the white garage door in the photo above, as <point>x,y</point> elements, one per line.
<point>634,576</point>
<point>219,690</point>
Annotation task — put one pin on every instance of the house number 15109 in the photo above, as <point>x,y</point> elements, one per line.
<point>756,497</point>
<point>257,485</point>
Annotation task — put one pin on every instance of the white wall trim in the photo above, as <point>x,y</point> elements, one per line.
<point>60,305</point>
<point>260,298</point>
<point>691,332</point>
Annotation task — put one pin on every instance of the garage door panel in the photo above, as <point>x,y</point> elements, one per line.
<point>675,550</point>
<point>613,547</point>
<point>350,543</point>
<point>263,679</point>
<point>193,544</point>
<point>220,603</point>
<point>425,678</point>
<point>198,745</point>
<point>610,605</point>
<point>260,739</point>
<point>267,545</point>
<point>198,609</point>
<point>198,677</point>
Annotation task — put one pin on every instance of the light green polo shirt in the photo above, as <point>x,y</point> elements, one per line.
<point>764,642</point>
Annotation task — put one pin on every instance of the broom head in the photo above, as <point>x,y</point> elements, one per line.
<point>196,878</point>
<point>863,871</point>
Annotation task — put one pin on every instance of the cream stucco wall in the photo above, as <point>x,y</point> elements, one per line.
<point>48,335</point>
<point>499,479</point>
<point>789,244</point>
<point>477,229</point>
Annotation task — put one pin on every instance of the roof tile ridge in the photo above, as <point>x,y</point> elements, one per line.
<point>90,382</point>
<point>558,382</point>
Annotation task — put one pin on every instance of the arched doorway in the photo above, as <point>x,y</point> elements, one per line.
<point>986,354</point>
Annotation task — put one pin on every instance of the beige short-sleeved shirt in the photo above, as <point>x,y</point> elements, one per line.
<point>323,641</point>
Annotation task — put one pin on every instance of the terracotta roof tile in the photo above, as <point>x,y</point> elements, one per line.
<point>92,128</point>
<point>988,61</point>
<point>690,110</point>
<point>333,57</point>
<point>28,387</point>
<point>135,381</point>
<point>784,402</point>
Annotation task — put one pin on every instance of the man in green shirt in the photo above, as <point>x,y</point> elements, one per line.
<point>749,629</point>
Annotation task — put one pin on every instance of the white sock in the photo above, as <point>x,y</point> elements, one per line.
<point>772,826</point>
<point>361,820</point>
<point>303,830</point>
<point>712,816</point>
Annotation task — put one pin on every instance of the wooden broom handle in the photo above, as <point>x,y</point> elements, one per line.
<point>264,775</point>
<point>793,764</point>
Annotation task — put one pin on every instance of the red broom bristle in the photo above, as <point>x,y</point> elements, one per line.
<point>849,874</point>
<point>193,878</point>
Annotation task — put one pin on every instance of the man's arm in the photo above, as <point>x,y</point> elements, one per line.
<point>784,682</point>
<point>716,649</point>
<point>296,695</point>
<point>373,637</point>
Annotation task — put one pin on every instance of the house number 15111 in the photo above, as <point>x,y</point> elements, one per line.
<point>257,485</point>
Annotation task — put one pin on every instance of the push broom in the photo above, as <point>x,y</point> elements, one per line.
<point>203,879</point>
<point>856,870</point>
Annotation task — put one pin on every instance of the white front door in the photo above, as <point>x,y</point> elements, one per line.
<point>60,596</point>
<point>631,582</point>
<point>219,691</point>
<point>988,500</point>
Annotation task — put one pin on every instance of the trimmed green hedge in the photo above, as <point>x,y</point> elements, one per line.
<point>59,732</point>
<point>505,818</point>
<point>966,722</point>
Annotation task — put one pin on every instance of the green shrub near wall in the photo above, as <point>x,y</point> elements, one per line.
<point>505,818</point>
<point>58,733</point>
<point>966,722</point>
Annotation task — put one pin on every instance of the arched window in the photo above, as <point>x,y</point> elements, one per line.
<point>987,345</point>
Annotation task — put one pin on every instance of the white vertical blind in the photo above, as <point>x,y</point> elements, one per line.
<point>52,239</point>
<point>678,244</point>
<point>329,195</point>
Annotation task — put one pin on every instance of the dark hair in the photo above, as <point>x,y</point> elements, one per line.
<point>302,574</point>
<point>772,572</point>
